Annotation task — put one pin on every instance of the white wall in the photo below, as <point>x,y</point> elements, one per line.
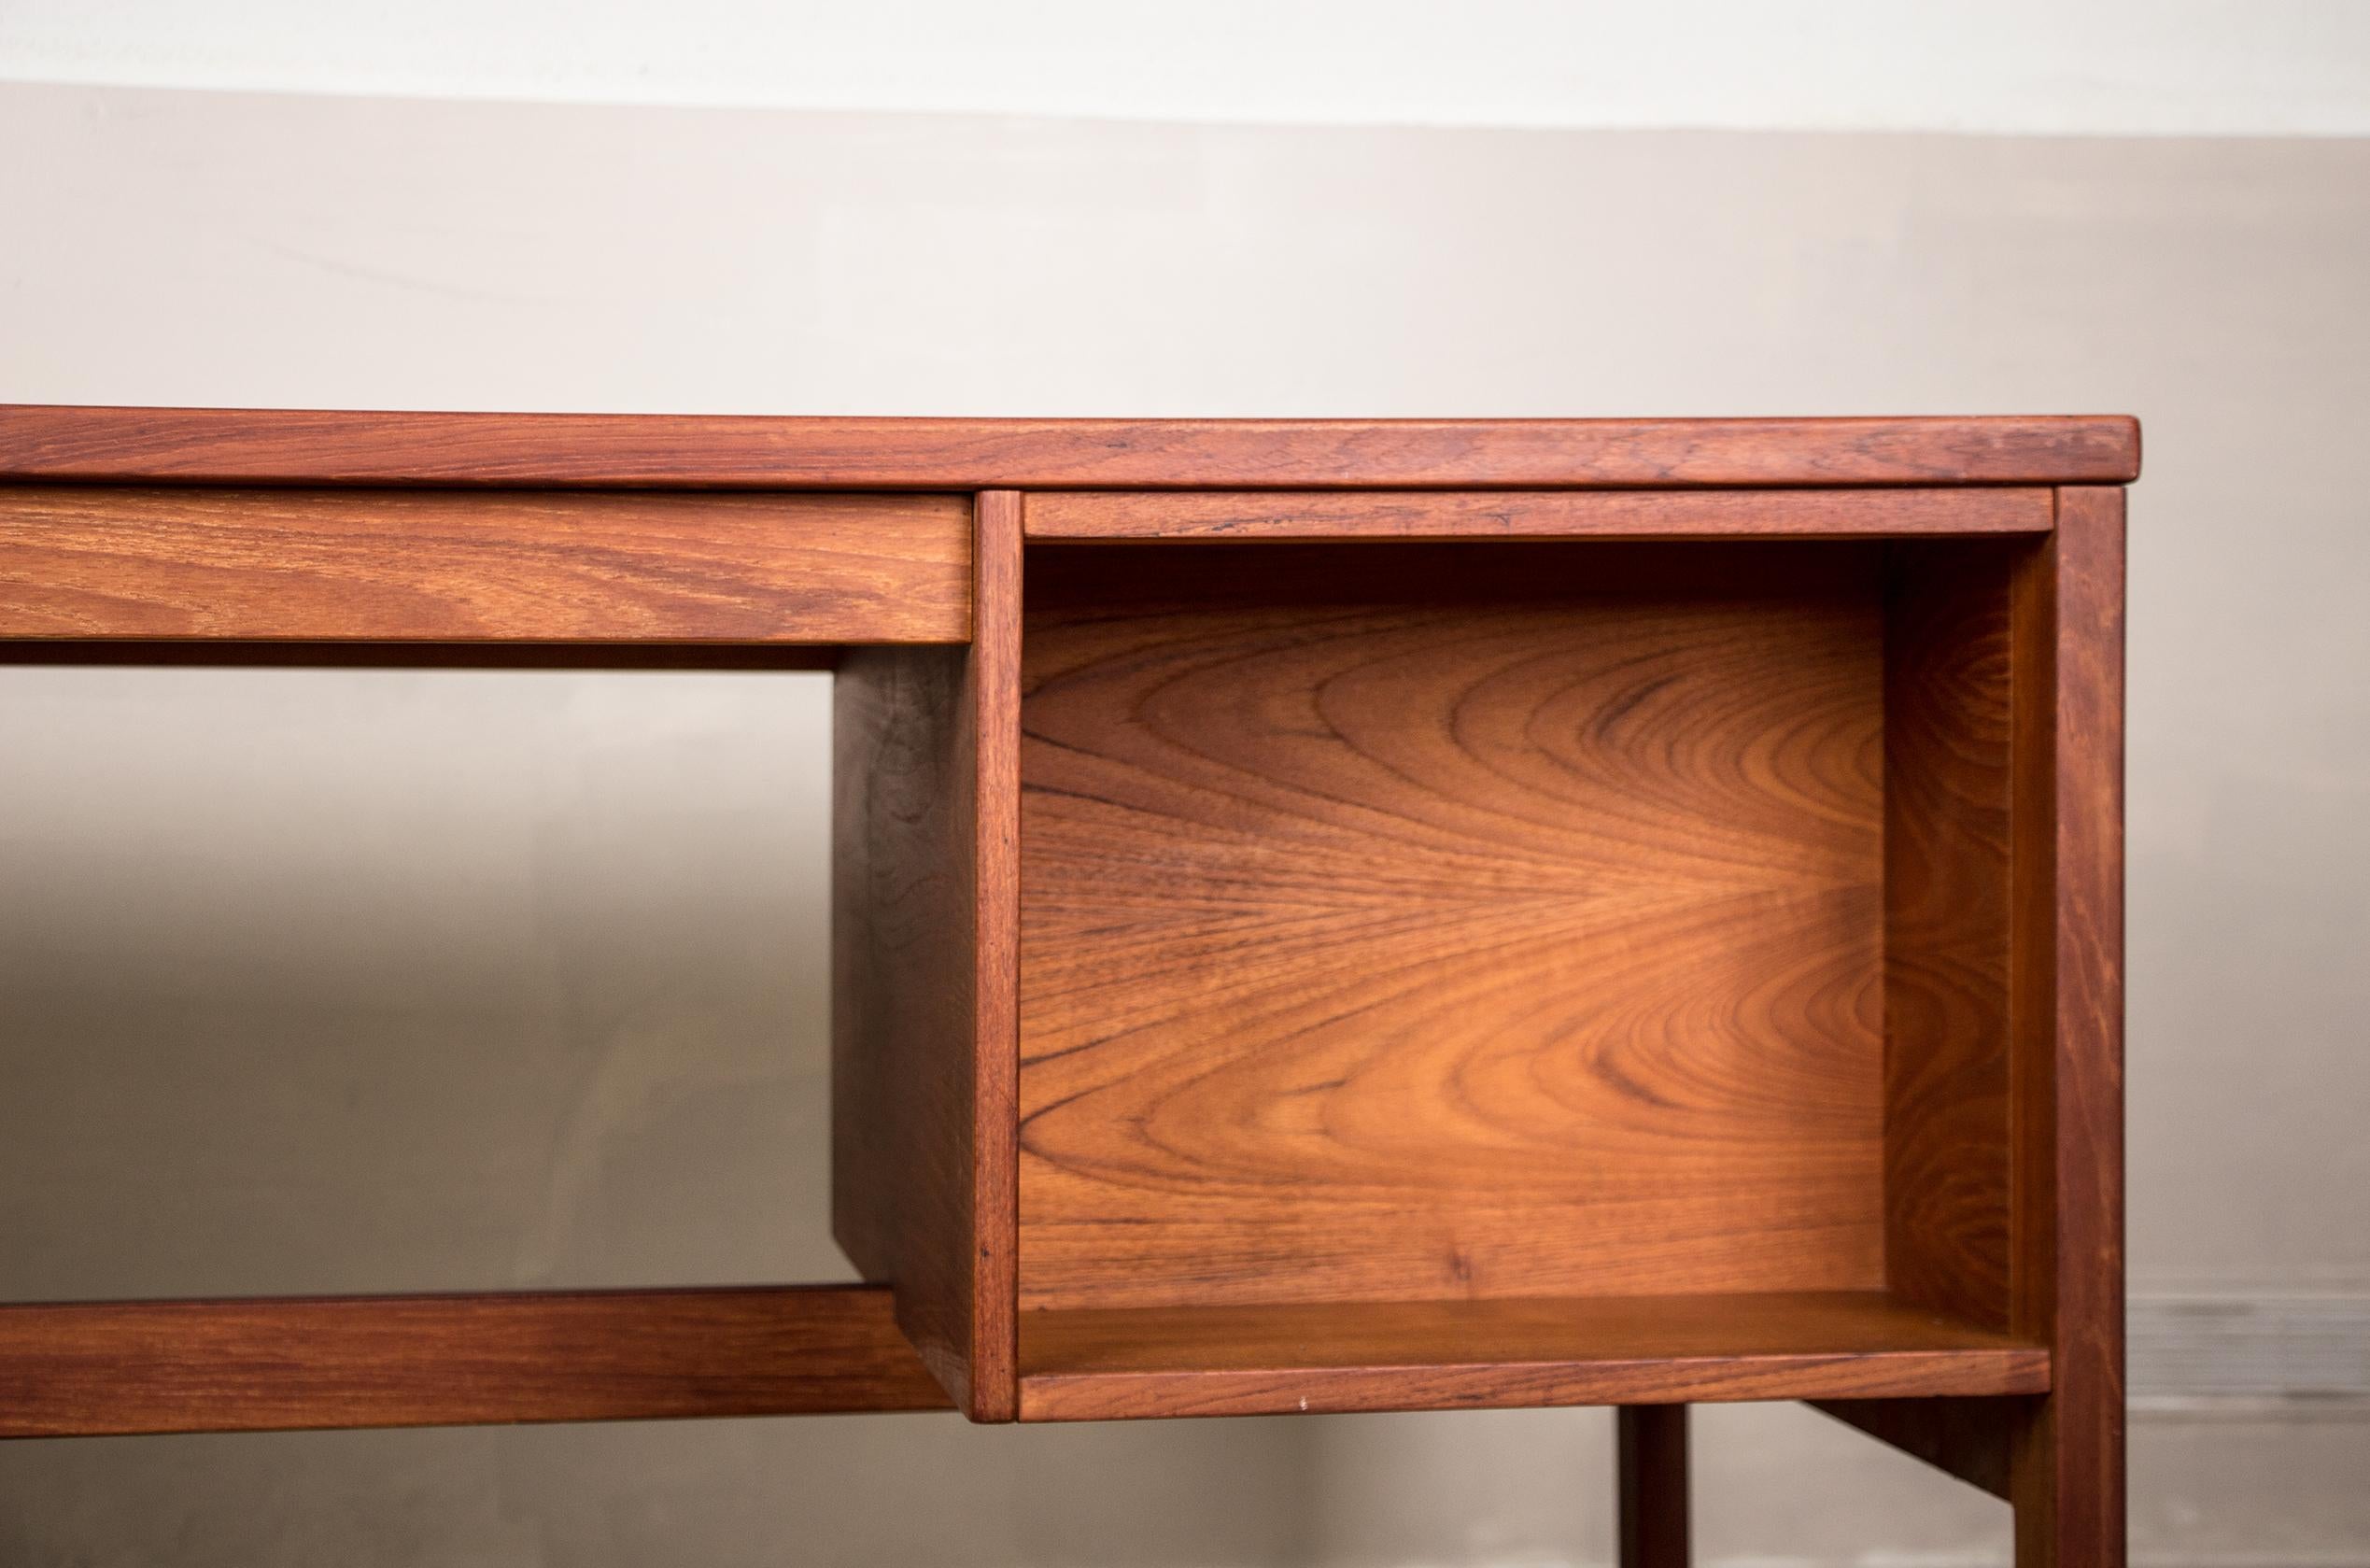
<point>2231,67</point>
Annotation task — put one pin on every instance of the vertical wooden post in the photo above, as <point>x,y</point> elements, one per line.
<point>1651,1440</point>
<point>2066,1463</point>
<point>994,712</point>
<point>924,1035</point>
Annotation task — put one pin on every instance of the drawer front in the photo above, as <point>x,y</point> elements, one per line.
<point>103,562</point>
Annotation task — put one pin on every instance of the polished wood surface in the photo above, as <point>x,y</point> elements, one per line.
<point>83,1370</point>
<point>1450,922</point>
<point>435,566</point>
<point>2066,1467</point>
<point>232,445</point>
<point>921,1064</point>
<point>1947,678</point>
<point>1652,1512</point>
<point>1311,515</point>
<point>1098,1364</point>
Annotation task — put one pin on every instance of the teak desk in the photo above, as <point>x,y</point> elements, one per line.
<point>1328,915</point>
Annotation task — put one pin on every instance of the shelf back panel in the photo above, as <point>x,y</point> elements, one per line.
<point>1450,921</point>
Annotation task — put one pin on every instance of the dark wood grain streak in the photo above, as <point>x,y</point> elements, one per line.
<point>1650,1460</point>
<point>1095,1364</point>
<point>925,834</point>
<point>1946,928</point>
<point>118,1367</point>
<point>287,447</point>
<point>1450,921</point>
<point>90,562</point>
<point>1341,517</point>
<point>2066,1473</point>
<point>1968,1438</point>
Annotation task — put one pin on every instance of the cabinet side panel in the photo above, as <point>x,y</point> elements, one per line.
<point>903,999</point>
<point>1946,928</point>
<point>925,834</point>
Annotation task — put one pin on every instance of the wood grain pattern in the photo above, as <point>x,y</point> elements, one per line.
<point>438,566</point>
<point>1312,515</point>
<point>924,832</point>
<point>441,1361</point>
<point>2067,1469</point>
<point>1650,1460</point>
<point>1450,921</point>
<point>1946,928</point>
<point>220,445</point>
<point>1095,1364</point>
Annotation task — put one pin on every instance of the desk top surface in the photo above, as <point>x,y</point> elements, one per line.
<point>224,446</point>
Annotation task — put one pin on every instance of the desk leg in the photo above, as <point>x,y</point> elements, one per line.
<point>1652,1442</point>
<point>2066,1461</point>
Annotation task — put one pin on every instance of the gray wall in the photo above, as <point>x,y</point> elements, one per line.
<point>363,980</point>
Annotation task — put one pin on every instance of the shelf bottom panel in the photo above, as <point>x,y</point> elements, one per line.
<point>1090,1364</point>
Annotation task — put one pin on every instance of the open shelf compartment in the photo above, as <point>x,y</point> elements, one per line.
<point>1513,974</point>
